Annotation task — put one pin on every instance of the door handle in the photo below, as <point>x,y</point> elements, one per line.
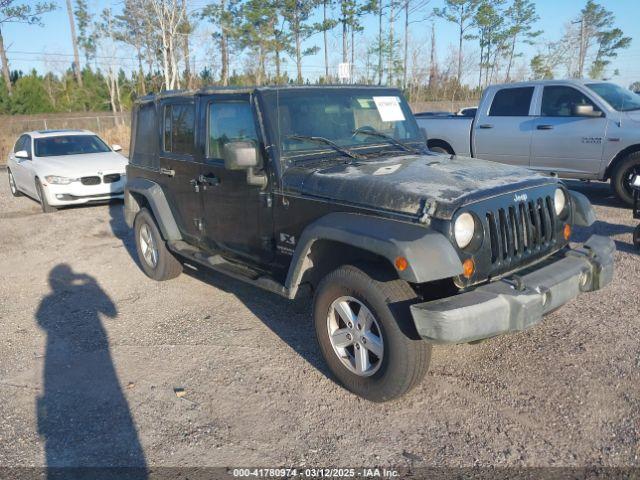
<point>485,126</point>
<point>545,127</point>
<point>210,180</point>
<point>168,172</point>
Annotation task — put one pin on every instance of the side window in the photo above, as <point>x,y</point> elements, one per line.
<point>146,136</point>
<point>559,101</point>
<point>229,121</point>
<point>178,128</point>
<point>511,102</point>
<point>26,145</point>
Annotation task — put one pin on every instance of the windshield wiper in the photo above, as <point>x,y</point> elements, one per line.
<point>376,133</point>
<point>325,141</point>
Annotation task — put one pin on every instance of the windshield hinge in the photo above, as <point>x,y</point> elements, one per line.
<point>428,209</point>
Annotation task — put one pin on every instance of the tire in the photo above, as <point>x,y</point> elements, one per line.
<point>12,185</point>
<point>156,260</point>
<point>622,175</point>
<point>636,236</point>
<point>46,208</point>
<point>404,358</point>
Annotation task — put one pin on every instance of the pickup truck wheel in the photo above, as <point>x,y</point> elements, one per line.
<point>12,185</point>
<point>156,260</point>
<point>622,175</point>
<point>46,208</point>
<point>366,333</point>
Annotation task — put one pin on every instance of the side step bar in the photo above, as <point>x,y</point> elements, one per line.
<point>219,264</point>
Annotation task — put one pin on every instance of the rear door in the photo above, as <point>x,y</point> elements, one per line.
<point>237,216</point>
<point>502,132</point>
<point>563,142</point>
<point>179,166</point>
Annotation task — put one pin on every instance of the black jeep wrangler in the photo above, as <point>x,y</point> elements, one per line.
<point>331,192</point>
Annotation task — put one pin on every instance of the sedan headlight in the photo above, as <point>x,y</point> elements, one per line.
<point>56,180</point>
<point>559,201</point>
<point>463,229</point>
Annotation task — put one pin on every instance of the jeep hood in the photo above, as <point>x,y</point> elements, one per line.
<point>407,183</point>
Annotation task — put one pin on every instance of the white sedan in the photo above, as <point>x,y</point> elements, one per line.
<point>66,167</point>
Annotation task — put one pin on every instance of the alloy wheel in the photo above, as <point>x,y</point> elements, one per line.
<point>148,246</point>
<point>355,336</point>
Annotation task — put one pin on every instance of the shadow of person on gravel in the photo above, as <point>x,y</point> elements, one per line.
<point>289,320</point>
<point>83,416</point>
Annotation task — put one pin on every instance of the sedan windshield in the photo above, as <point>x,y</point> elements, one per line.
<point>69,145</point>
<point>619,98</point>
<point>351,119</point>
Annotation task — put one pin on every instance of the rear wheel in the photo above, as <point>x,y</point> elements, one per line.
<point>12,185</point>
<point>46,208</point>
<point>156,260</point>
<point>622,176</point>
<point>366,333</point>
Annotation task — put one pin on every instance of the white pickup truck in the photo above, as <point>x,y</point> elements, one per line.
<point>582,129</point>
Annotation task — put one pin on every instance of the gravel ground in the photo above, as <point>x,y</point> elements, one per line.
<point>92,351</point>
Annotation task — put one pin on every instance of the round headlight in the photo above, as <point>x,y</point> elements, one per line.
<point>559,201</point>
<point>463,229</point>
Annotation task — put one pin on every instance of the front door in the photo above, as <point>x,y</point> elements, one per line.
<point>179,166</point>
<point>563,142</point>
<point>503,134</point>
<point>238,217</point>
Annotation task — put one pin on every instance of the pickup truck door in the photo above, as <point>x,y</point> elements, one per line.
<point>564,142</point>
<point>502,132</point>
<point>238,217</point>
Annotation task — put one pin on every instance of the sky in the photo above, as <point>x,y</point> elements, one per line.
<point>49,47</point>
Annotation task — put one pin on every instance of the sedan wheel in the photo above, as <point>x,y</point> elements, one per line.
<point>355,336</point>
<point>12,185</point>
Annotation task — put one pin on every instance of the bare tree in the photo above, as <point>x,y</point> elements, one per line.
<point>14,12</point>
<point>169,15</point>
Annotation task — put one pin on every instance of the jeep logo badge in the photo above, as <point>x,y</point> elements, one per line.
<point>520,197</point>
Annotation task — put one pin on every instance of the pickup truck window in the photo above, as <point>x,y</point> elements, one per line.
<point>336,114</point>
<point>511,102</point>
<point>179,128</point>
<point>229,121</point>
<point>559,101</point>
<point>619,98</point>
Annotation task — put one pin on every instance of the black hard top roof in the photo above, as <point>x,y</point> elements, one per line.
<point>250,89</point>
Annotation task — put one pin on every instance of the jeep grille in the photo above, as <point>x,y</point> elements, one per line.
<point>523,230</point>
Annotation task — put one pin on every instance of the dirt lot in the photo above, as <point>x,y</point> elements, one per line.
<point>92,351</point>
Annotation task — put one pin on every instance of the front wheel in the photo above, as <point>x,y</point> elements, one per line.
<point>156,260</point>
<point>12,185</point>
<point>46,208</point>
<point>622,176</point>
<point>366,333</point>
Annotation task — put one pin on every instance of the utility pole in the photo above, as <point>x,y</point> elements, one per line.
<point>74,40</point>
<point>433,65</point>
<point>583,53</point>
<point>5,66</point>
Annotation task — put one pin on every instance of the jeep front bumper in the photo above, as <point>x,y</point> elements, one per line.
<point>518,302</point>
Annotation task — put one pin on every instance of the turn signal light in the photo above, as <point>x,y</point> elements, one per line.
<point>401,264</point>
<point>468,267</point>
<point>566,231</point>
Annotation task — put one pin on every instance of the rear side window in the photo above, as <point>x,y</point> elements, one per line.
<point>146,140</point>
<point>559,101</point>
<point>511,102</point>
<point>228,122</point>
<point>178,128</point>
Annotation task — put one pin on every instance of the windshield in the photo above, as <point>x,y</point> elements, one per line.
<point>69,145</point>
<point>344,117</point>
<point>619,98</point>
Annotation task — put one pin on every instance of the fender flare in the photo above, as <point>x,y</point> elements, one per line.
<point>583,214</point>
<point>154,195</point>
<point>429,253</point>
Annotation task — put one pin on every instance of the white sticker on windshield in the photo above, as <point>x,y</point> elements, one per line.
<point>389,109</point>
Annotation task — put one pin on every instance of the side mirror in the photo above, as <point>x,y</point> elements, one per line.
<point>240,155</point>
<point>585,111</point>
<point>115,147</point>
<point>22,154</point>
